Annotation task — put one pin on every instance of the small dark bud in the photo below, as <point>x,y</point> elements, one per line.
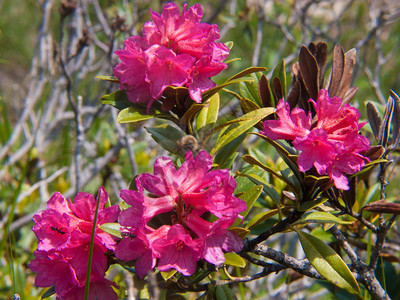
<point>67,7</point>
<point>118,23</point>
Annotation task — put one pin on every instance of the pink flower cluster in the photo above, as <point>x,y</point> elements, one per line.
<point>179,216</point>
<point>175,49</point>
<point>64,233</point>
<point>331,144</point>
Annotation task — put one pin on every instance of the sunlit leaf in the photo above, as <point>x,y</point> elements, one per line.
<point>108,78</point>
<point>267,187</point>
<point>322,217</point>
<point>233,259</point>
<point>241,125</point>
<point>311,204</point>
<point>253,161</point>
<point>328,263</point>
<point>168,275</point>
<point>240,231</point>
<point>130,115</point>
<point>250,197</point>
<point>112,228</point>
<point>261,217</point>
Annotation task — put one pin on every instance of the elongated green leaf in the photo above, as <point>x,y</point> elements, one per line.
<point>290,159</point>
<point>369,166</point>
<point>216,89</point>
<point>253,161</point>
<point>130,115</point>
<point>249,90</point>
<point>167,136</point>
<point>233,259</point>
<point>250,197</point>
<point>267,187</point>
<point>213,109</point>
<point>322,217</point>
<point>227,152</point>
<point>189,115</point>
<point>241,125</point>
<point>234,79</point>
<point>261,217</point>
<point>220,293</point>
<point>208,116</point>
<point>247,72</point>
<point>108,78</point>
<point>279,72</point>
<point>111,228</point>
<point>328,263</point>
<point>248,105</point>
<point>311,204</point>
<point>226,162</point>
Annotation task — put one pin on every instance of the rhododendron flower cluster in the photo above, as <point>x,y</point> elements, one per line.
<point>331,144</point>
<point>64,232</point>
<point>175,49</point>
<point>179,216</point>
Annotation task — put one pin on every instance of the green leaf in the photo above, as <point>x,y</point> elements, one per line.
<point>253,161</point>
<point>168,275</point>
<point>227,153</point>
<point>234,79</point>
<point>234,259</point>
<point>289,159</point>
<point>240,125</point>
<point>209,113</point>
<point>261,217</point>
<point>328,263</point>
<point>279,72</point>
<point>267,188</point>
<point>250,197</point>
<point>49,292</point>
<point>186,120</point>
<point>247,71</point>
<point>240,231</point>
<point>111,228</point>
<point>130,115</point>
<point>248,105</point>
<point>322,217</point>
<point>118,99</point>
<point>167,137</point>
<point>207,94</point>
<point>226,161</point>
<point>108,78</point>
<point>311,204</point>
<point>370,165</point>
<point>213,109</point>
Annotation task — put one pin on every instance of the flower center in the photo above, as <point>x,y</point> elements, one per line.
<point>179,245</point>
<point>58,230</point>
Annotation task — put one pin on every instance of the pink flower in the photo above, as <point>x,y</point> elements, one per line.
<point>332,144</point>
<point>177,250</point>
<point>290,124</point>
<point>64,232</point>
<point>169,217</point>
<point>175,49</point>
